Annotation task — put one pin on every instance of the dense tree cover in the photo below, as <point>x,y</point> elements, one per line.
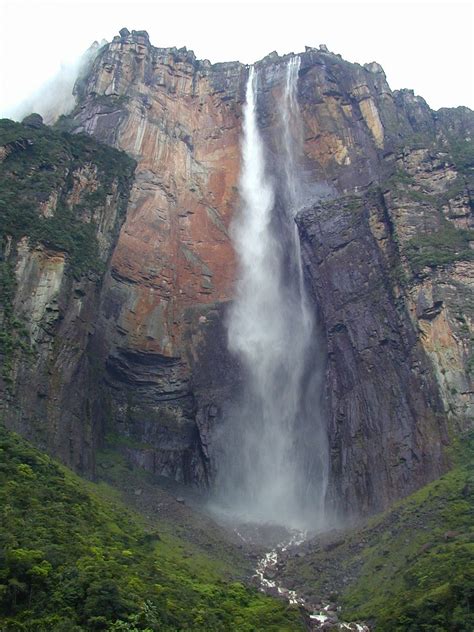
<point>72,559</point>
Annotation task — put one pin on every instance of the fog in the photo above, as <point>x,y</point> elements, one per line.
<point>55,97</point>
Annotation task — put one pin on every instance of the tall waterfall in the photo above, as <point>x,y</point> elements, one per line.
<point>273,452</point>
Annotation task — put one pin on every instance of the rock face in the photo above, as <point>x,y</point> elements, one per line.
<point>173,268</point>
<point>386,421</point>
<point>63,200</point>
<point>386,256</point>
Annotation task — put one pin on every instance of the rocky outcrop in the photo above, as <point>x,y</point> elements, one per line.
<point>172,273</point>
<point>173,267</point>
<point>441,306</point>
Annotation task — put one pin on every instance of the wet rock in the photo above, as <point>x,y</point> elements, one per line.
<point>380,351</point>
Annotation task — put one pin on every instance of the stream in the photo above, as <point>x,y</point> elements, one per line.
<point>324,616</point>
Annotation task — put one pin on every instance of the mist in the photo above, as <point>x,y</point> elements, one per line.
<point>55,97</point>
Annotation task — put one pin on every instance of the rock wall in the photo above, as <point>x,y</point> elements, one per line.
<point>173,268</point>
<point>386,421</point>
<point>386,242</point>
<point>63,200</point>
<point>389,260</point>
<point>172,272</point>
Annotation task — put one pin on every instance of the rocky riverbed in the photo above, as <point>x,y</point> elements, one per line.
<point>318,615</point>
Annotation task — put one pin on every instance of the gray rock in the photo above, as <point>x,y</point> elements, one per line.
<point>33,120</point>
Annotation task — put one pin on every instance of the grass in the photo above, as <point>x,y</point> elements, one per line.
<point>418,573</point>
<point>72,557</point>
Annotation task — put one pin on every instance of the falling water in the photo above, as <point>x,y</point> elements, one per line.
<point>273,464</point>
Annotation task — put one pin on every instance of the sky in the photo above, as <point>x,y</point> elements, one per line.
<point>422,45</point>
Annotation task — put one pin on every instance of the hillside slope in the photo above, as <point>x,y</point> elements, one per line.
<point>410,569</point>
<point>72,559</point>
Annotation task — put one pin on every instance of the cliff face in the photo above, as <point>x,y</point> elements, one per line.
<point>63,199</point>
<point>389,262</point>
<point>386,255</point>
<point>386,420</point>
<point>173,267</point>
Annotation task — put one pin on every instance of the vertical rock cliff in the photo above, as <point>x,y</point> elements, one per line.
<point>173,268</point>
<point>63,199</point>
<point>386,232</point>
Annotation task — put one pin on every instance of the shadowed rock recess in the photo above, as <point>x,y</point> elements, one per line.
<point>133,353</point>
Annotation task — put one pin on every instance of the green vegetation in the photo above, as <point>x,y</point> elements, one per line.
<point>354,204</point>
<point>470,365</point>
<point>418,569</point>
<point>446,245</point>
<point>440,200</point>
<point>42,161</point>
<point>405,184</point>
<point>399,178</point>
<point>37,163</point>
<point>410,569</point>
<point>73,558</point>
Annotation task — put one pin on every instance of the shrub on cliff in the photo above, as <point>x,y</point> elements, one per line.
<point>39,162</point>
<point>444,246</point>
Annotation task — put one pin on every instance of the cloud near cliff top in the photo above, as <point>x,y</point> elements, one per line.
<point>55,96</point>
<point>422,45</point>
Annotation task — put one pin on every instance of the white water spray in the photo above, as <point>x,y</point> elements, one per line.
<point>273,463</point>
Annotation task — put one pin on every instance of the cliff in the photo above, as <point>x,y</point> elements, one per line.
<point>63,199</point>
<point>386,253</point>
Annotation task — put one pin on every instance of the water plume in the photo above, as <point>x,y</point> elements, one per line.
<point>273,449</point>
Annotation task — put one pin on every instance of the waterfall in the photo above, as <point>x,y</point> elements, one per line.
<point>273,452</point>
